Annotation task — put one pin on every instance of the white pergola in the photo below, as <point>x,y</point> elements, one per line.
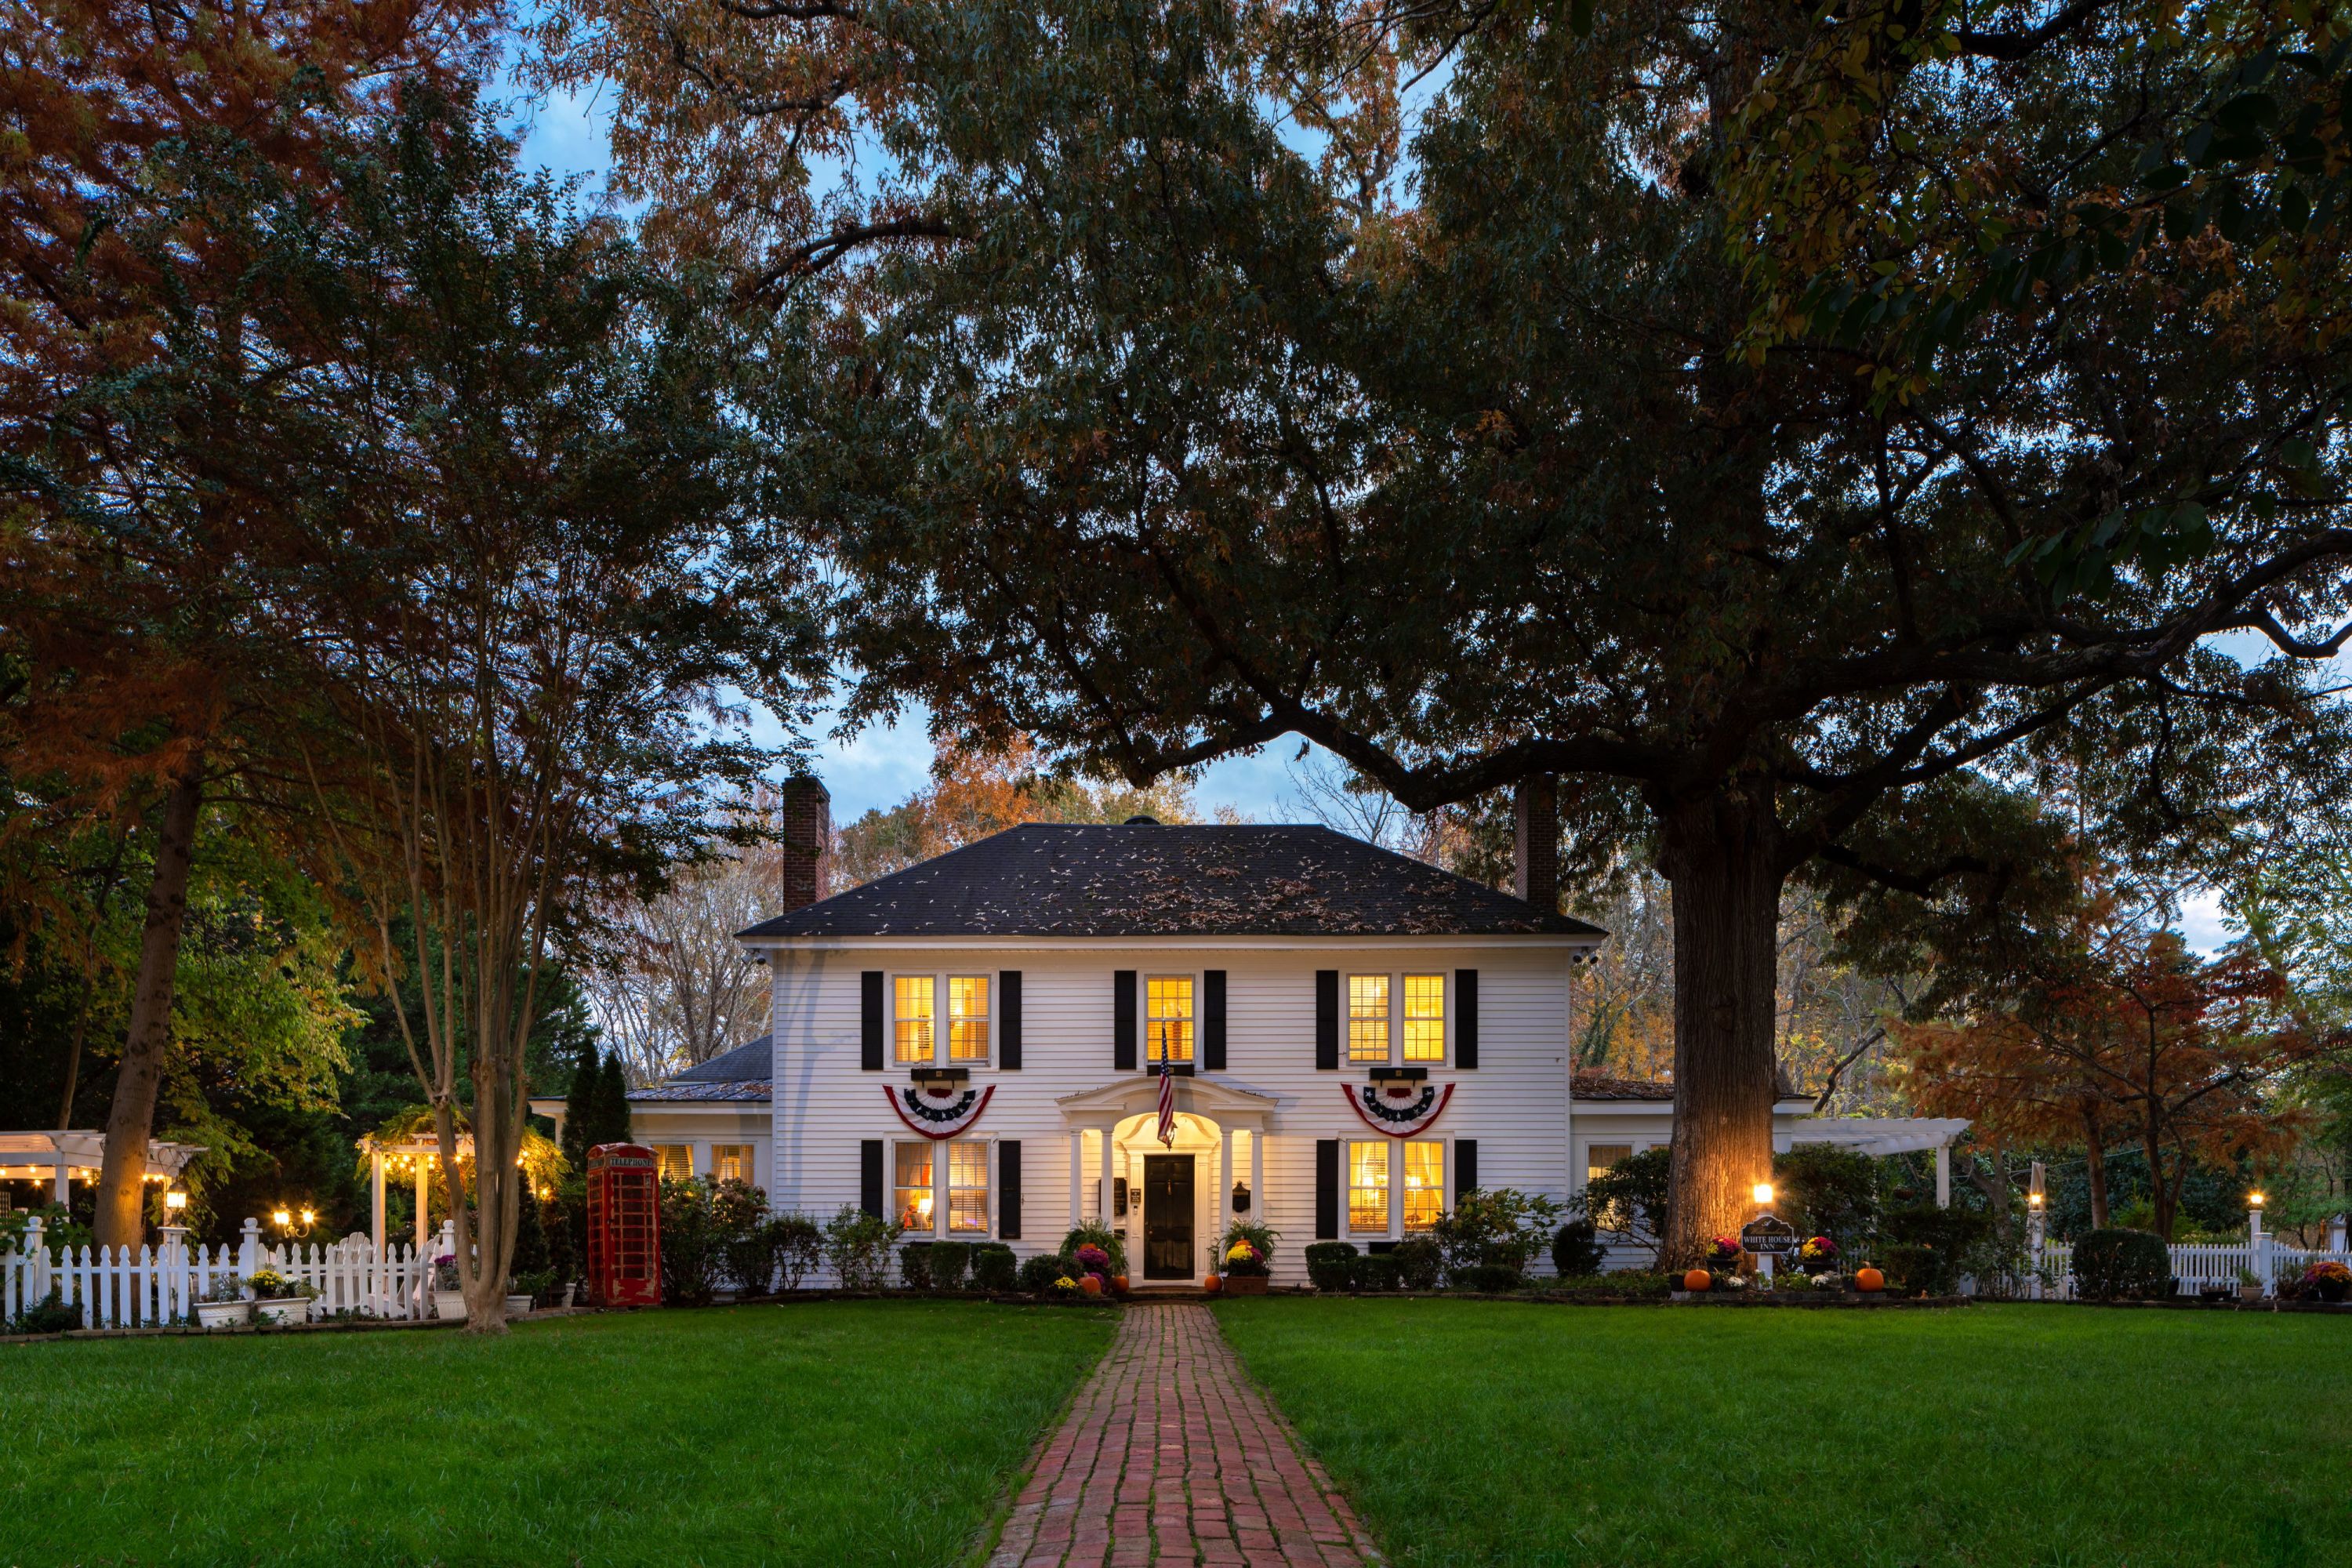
<point>64,1157</point>
<point>1882,1135</point>
<point>419,1155</point>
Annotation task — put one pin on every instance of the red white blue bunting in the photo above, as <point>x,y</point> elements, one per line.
<point>1398,1109</point>
<point>940,1112</point>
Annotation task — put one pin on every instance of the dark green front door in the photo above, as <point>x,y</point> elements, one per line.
<point>1167,1216</point>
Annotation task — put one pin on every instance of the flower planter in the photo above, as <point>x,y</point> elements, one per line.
<point>224,1315</point>
<point>2250,1292</point>
<point>518,1305</point>
<point>283,1311</point>
<point>449,1303</point>
<point>1246,1284</point>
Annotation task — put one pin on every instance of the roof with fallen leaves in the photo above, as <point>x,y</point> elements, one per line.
<point>1059,879</point>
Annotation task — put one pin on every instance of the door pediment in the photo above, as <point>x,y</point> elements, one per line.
<point>1139,1096</point>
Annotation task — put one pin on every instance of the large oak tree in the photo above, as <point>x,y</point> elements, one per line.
<point>1463,388</point>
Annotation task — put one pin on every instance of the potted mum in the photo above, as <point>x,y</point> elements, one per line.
<point>225,1306</point>
<point>1094,1264</point>
<point>1817,1262</point>
<point>278,1300</point>
<point>2328,1280</point>
<point>449,1290</point>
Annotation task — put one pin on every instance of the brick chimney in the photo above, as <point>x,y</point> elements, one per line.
<point>1535,850</point>
<point>807,842</point>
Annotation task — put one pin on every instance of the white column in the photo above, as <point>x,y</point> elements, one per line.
<point>375,1198</point>
<point>62,1181</point>
<point>1102,1175</point>
<point>1224,1186</point>
<point>2336,1234</point>
<point>1943,1175</point>
<point>2259,1248</point>
<point>423,1207</point>
<point>1077,1176</point>
<point>1258,1173</point>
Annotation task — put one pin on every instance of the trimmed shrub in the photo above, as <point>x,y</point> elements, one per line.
<point>948,1260</point>
<point>51,1317</point>
<point>994,1267</point>
<point>1639,1282</point>
<point>857,1245</point>
<point>1495,1278</point>
<point>1376,1271</point>
<point>1575,1249</point>
<point>1331,1265</point>
<point>1833,1192</point>
<point>1421,1263</point>
<point>914,1264</point>
<point>2121,1266</point>
<point>1037,1274</point>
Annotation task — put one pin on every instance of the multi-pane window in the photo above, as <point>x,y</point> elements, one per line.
<point>1424,1017</point>
<point>676,1161</point>
<point>967,1017</point>
<point>916,1001</point>
<point>1600,1159</point>
<point>968,1186</point>
<point>1368,1017</point>
<point>730,1163</point>
<point>1167,1018</point>
<point>1368,1185</point>
<point>911,1194</point>
<point>1424,1182</point>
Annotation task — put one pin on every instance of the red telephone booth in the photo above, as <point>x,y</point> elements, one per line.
<point>623,1225</point>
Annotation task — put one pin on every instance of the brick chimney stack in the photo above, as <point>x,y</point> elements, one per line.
<point>1536,804</point>
<point>807,842</point>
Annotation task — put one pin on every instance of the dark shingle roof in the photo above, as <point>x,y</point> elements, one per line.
<point>1585,1085</point>
<point>1060,880</point>
<point>754,1060</point>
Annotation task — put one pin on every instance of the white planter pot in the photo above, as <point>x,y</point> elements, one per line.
<point>518,1305</point>
<point>224,1315</point>
<point>449,1304</point>
<point>283,1310</point>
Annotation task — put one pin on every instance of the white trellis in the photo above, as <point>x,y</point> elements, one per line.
<point>149,1287</point>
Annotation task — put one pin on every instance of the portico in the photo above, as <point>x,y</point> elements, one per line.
<point>1121,1174</point>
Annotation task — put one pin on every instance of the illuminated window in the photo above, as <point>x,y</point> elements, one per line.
<point>1424,1182</point>
<point>1367,1186</point>
<point>912,1196</point>
<point>1167,1018</point>
<point>1424,1017</point>
<point>1368,1017</point>
<point>967,1018</point>
<point>916,998</point>
<point>1603,1158</point>
<point>676,1161</point>
<point>968,1186</point>
<point>731,1162</point>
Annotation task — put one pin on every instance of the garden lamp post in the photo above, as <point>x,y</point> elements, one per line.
<point>2258,1243</point>
<point>175,1232</point>
<point>1763,1196</point>
<point>2037,1218</point>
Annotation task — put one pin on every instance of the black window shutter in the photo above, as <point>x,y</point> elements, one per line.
<point>869,1176</point>
<point>1008,1189</point>
<point>1327,1189</point>
<point>1008,1021</point>
<point>1213,1020</point>
<point>1465,1020</point>
<point>1327,1020</point>
<point>1465,1166</point>
<point>1122,1021</point>
<point>870,1024</point>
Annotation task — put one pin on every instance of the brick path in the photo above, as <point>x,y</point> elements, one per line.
<point>1172,1456</point>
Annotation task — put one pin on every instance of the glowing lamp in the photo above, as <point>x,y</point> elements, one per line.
<point>309,1217</point>
<point>175,1202</point>
<point>2033,1200</point>
<point>2253,1200</point>
<point>281,1217</point>
<point>1763,1193</point>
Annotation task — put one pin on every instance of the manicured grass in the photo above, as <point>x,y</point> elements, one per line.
<point>1477,1431</point>
<point>826,1433</point>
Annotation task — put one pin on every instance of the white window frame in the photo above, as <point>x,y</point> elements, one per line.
<point>1444,1181</point>
<point>661,1161</point>
<point>750,1177</point>
<point>1395,1230</point>
<point>942,1192</point>
<point>1396,979</point>
<point>1143,1014</point>
<point>942,1019</point>
<point>938,1175</point>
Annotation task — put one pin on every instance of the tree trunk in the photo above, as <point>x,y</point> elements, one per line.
<point>122,1181</point>
<point>2095,1163</point>
<point>1722,856</point>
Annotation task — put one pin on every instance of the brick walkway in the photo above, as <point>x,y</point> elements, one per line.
<point>1172,1456</point>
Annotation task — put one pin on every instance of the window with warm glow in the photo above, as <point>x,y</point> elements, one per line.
<point>1368,1185</point>
<point>968,1186</point>
<point>730,1163</point>
<point>967,1018</point>
<point>915,1010</point>
<point>1368,1017</point>
<point>1603,1158</point>
<point>1167,1018</point>
<point>676,1159</point>
<point>1424,1017</point>
<point>911,1195</point>
<point>1424,1182</point>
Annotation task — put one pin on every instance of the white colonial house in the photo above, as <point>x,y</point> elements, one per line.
<point>979,1044</point>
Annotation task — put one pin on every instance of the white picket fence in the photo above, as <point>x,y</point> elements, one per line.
<point>149,1287</point>
<point>2195,1264</point>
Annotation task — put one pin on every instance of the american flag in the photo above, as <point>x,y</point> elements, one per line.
<point>1166,1106</point>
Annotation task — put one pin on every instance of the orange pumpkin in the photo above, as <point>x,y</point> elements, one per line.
<point>1091,1284</point>
<point>1212,1284</point>
<point>1118,1283</point>
<point>1869,1280</point>
<point>1698,1279</point>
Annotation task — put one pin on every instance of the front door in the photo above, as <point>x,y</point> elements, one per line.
<point>1167,1216</point>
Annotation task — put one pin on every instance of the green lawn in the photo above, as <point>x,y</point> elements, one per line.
<point>834,1432</point>
<point>1474,1432</point>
